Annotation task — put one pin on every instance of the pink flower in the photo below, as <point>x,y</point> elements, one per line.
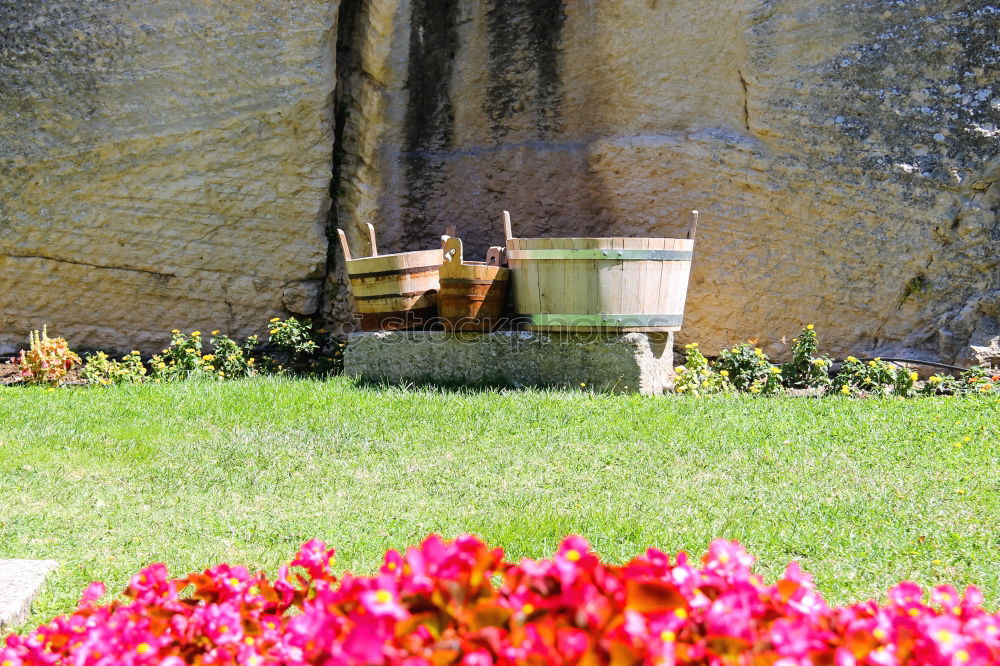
<point>92,593</point>
<point>315,558</point>
<point>221,623</point>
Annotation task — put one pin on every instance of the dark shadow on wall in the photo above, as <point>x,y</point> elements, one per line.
<point>524,77</point>
<point>430,118</point>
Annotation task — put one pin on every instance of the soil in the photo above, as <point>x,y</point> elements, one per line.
<point>10,375</point>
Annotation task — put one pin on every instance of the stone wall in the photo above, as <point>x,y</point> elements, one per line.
<point>167,163</point>
<point>843,154</point>
<point>163,163</point>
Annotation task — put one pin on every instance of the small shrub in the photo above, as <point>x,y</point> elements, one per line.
<point>975,380</point>
<point>181,360</point>
<point>875,376</point>
<point>905,384</point>
<point>99,369</point>
<point>806,369</point>
<point>293,337</point>
<point>748,369</point>
<point>696,377</point>
<point>47,361</point>
<point>296,347</point>
<point>229,359</point>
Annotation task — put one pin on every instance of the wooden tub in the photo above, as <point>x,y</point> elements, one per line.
<point>601,284</point>
<point>393,291</point>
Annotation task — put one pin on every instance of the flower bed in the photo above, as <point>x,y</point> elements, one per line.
<point>460,603</point>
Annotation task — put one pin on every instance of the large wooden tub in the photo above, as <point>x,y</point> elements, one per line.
<point>601,284</point>
<point>393,291</point>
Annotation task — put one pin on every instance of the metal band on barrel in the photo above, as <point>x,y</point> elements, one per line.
<point>608,254</point>
<point>612,320</point>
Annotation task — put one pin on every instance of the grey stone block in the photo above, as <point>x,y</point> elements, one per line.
<point>20,581</point>
<point>620,363</point>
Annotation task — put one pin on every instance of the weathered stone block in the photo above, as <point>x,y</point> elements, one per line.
<point>20,581</point>
<point>163,164</point>
<point>627,363</point>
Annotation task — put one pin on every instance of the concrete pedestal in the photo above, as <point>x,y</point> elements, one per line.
<point>620,363</point>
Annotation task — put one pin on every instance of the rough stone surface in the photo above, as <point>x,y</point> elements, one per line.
<point>845,156</point>
<point>988,355</point>
<point>20,582</point>
<point>629,363</point>
<point>168,164</point>
<point>163,163</point>
<point>302,296</point>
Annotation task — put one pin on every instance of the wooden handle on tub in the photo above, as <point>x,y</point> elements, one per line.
<point>343,244</point>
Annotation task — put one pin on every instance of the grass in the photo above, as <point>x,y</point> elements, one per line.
<point>862,493</point>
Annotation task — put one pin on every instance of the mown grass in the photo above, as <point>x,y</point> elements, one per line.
<point>862,493</point>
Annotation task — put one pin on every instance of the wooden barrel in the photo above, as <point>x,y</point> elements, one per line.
<point>601,284</point>
<point>473,294</point>
<point>394,291</point>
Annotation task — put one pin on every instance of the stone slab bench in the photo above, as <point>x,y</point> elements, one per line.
<point>619,363</point>
<point>20,582</point>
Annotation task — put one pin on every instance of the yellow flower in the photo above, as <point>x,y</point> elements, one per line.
<point>250,361</point>
<point>724,373</point>
<point>195,334</point>
<point>818,361</point>
<point>872,364</point>
<point>755,389</point>
<point>846,390</point>
<point>161,365</point>
<point>810,327</point>
<point>210,367</point>
<point>758,351</point>
<point>583,384</point>
<point>691,345</point>
<point>176,332</point>
<point>273,331</point>
<point>914,376</point>
<point>934,379</point>
<point>276,319</point>
<point>851,359</point>
<point>215,332</point>
<point>775,370</point>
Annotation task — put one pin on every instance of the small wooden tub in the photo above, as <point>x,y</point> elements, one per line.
<point>393,291</point>
<point>601,284</point>
<point>473,293</point>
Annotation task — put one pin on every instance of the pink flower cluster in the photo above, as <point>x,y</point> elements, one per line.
<point>459,602</point>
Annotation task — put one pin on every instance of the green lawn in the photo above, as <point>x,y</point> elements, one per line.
<point>863,493</point>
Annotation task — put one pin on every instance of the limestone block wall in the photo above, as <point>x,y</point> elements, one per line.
<point>168,163</point>
<point>163,163</point>
<point>844,155</point>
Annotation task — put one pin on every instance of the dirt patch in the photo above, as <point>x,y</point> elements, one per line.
<point>10,375</point>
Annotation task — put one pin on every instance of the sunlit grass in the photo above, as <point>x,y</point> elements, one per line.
<point>863,493</point>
